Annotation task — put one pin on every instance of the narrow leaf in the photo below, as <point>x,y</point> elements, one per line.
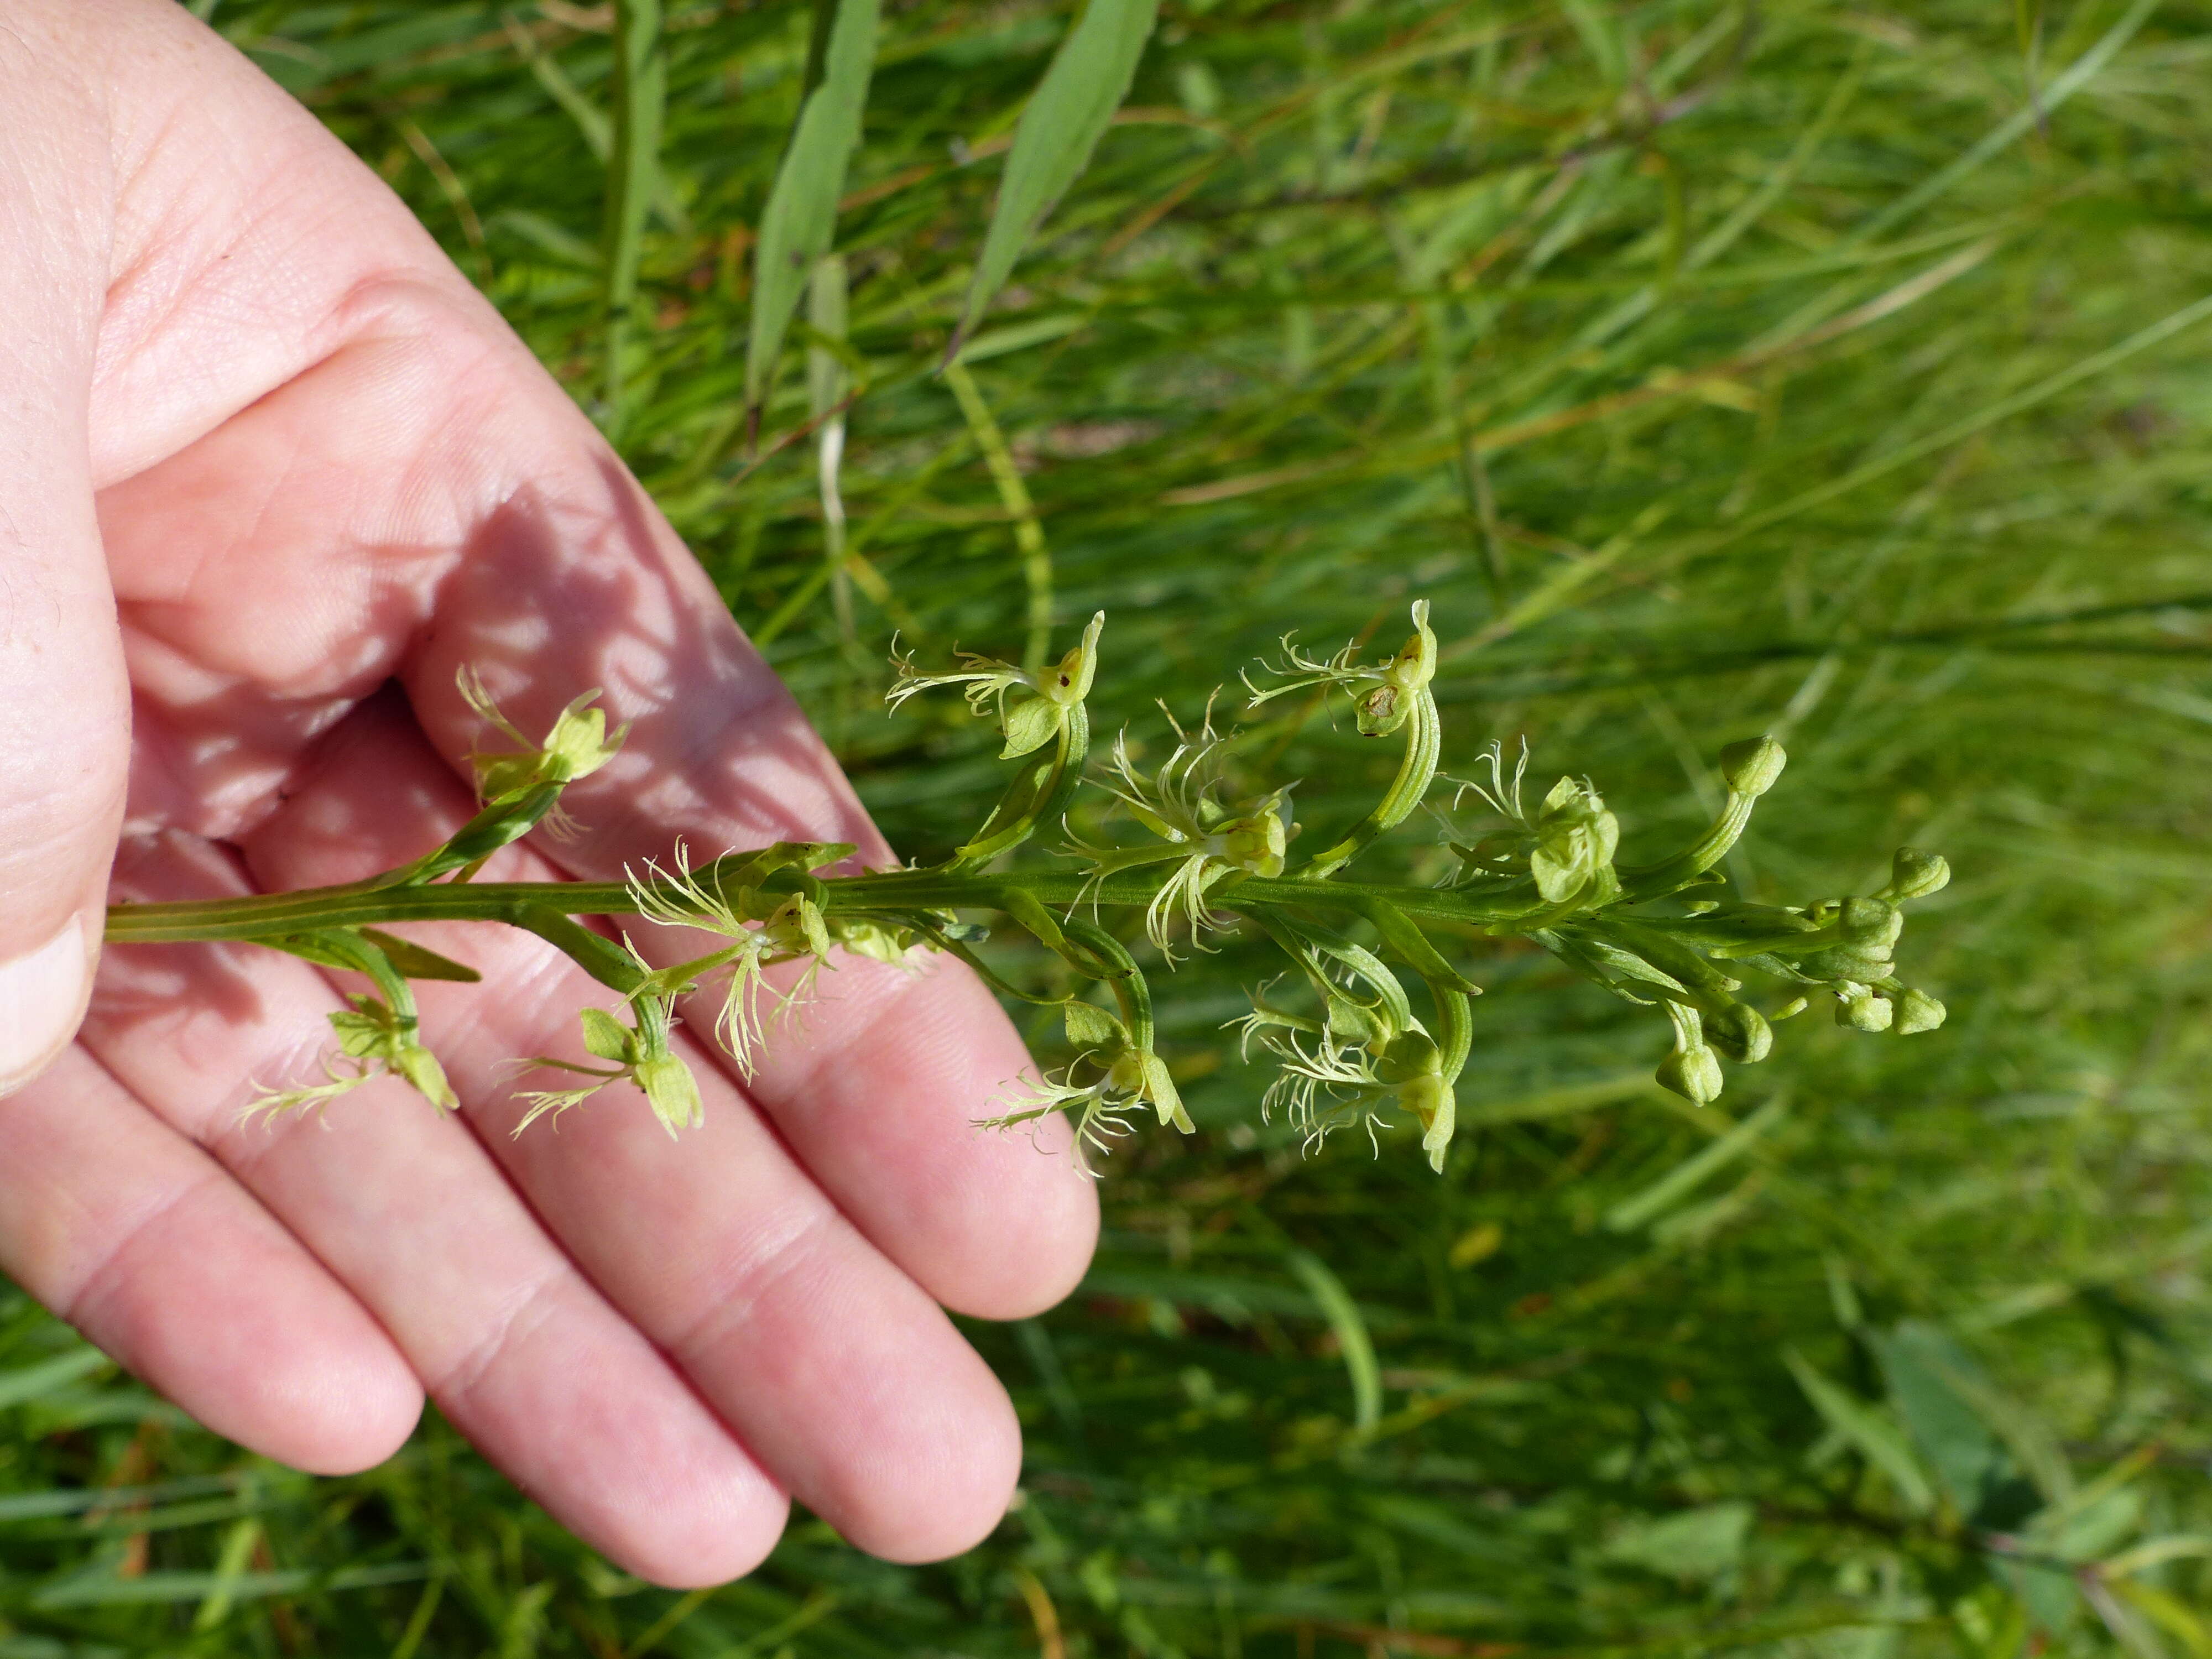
<point>801,215</point>
<point>1085,84</point>
<point>640,97</point>
<point>414,961</point>
<point>32,1381</point>
<point>1352,1338</point>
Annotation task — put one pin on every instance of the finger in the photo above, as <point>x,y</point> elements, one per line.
<point>65,742</point>
<point>830,1363</point>
<point>521,1353</point>
<point>130,1233</point>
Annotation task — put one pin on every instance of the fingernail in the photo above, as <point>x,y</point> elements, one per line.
<point>42,998</point>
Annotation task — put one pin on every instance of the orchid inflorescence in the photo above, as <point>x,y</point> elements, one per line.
<point>1349,1041</point>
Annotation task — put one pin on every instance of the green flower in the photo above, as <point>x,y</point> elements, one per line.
<point>377,1041</point>
<point>1567,845</point>
<point>765,926</point>
<point>1384,694</point>
<point>1111,1076</point>
<point>641,1052</point>
<point>1204,840</point>
<point>1032,709</point>
<point>577,746</point>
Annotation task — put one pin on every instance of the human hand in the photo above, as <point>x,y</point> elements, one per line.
<point>274,472</point>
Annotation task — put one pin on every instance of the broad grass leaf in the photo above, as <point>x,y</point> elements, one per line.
<point>1923,1368</point>
<point>1870,1434</point>
<point>1699,1543</point>
<point>801,216</point>
<point>1084,85</point>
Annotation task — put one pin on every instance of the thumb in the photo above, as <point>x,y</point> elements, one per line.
<point>64,700</point>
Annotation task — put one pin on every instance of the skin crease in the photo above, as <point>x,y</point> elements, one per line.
<point>275,473</point>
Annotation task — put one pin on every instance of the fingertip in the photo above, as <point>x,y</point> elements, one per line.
<point>945,1483</point>
<point>699,1538</point>
<point>1036,1254</point>
<point>325,1424</point>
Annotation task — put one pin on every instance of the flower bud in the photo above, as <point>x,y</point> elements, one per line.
<point>1751,767</point>
<point>1575,840</point>
<point>1693,1074</point>
<point>1915,874</point>
<point>1840,963</point>
<point>1917,1012</point>
<point>1862,1009</point>
<point>1738,1031</point>
<point>1870,925</point>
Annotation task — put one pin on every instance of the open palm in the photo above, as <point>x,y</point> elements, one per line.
<point>273,473</point>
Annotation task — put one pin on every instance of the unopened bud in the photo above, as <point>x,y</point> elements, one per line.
<point>1693,1074</point>
<point>1862,1009</point>
<point>1917,1012</point>
<point>1750,768</point>
<point>1841,962</point>
<point>1740,1032</point>
<point>1915,874</point>
<point>1870,924</point>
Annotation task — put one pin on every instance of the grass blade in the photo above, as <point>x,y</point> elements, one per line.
<point>1352,1337</point>
<point>1083,86</point>
<point>640,93</point>
<point>18,1386</point>
<point>1014,496</point>
<point>801,216</point>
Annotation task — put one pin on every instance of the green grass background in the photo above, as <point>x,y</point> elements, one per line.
<point>1713,368</point>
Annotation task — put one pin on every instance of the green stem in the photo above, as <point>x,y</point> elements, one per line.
<point>525,904</point>
<point>1424,740</point>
